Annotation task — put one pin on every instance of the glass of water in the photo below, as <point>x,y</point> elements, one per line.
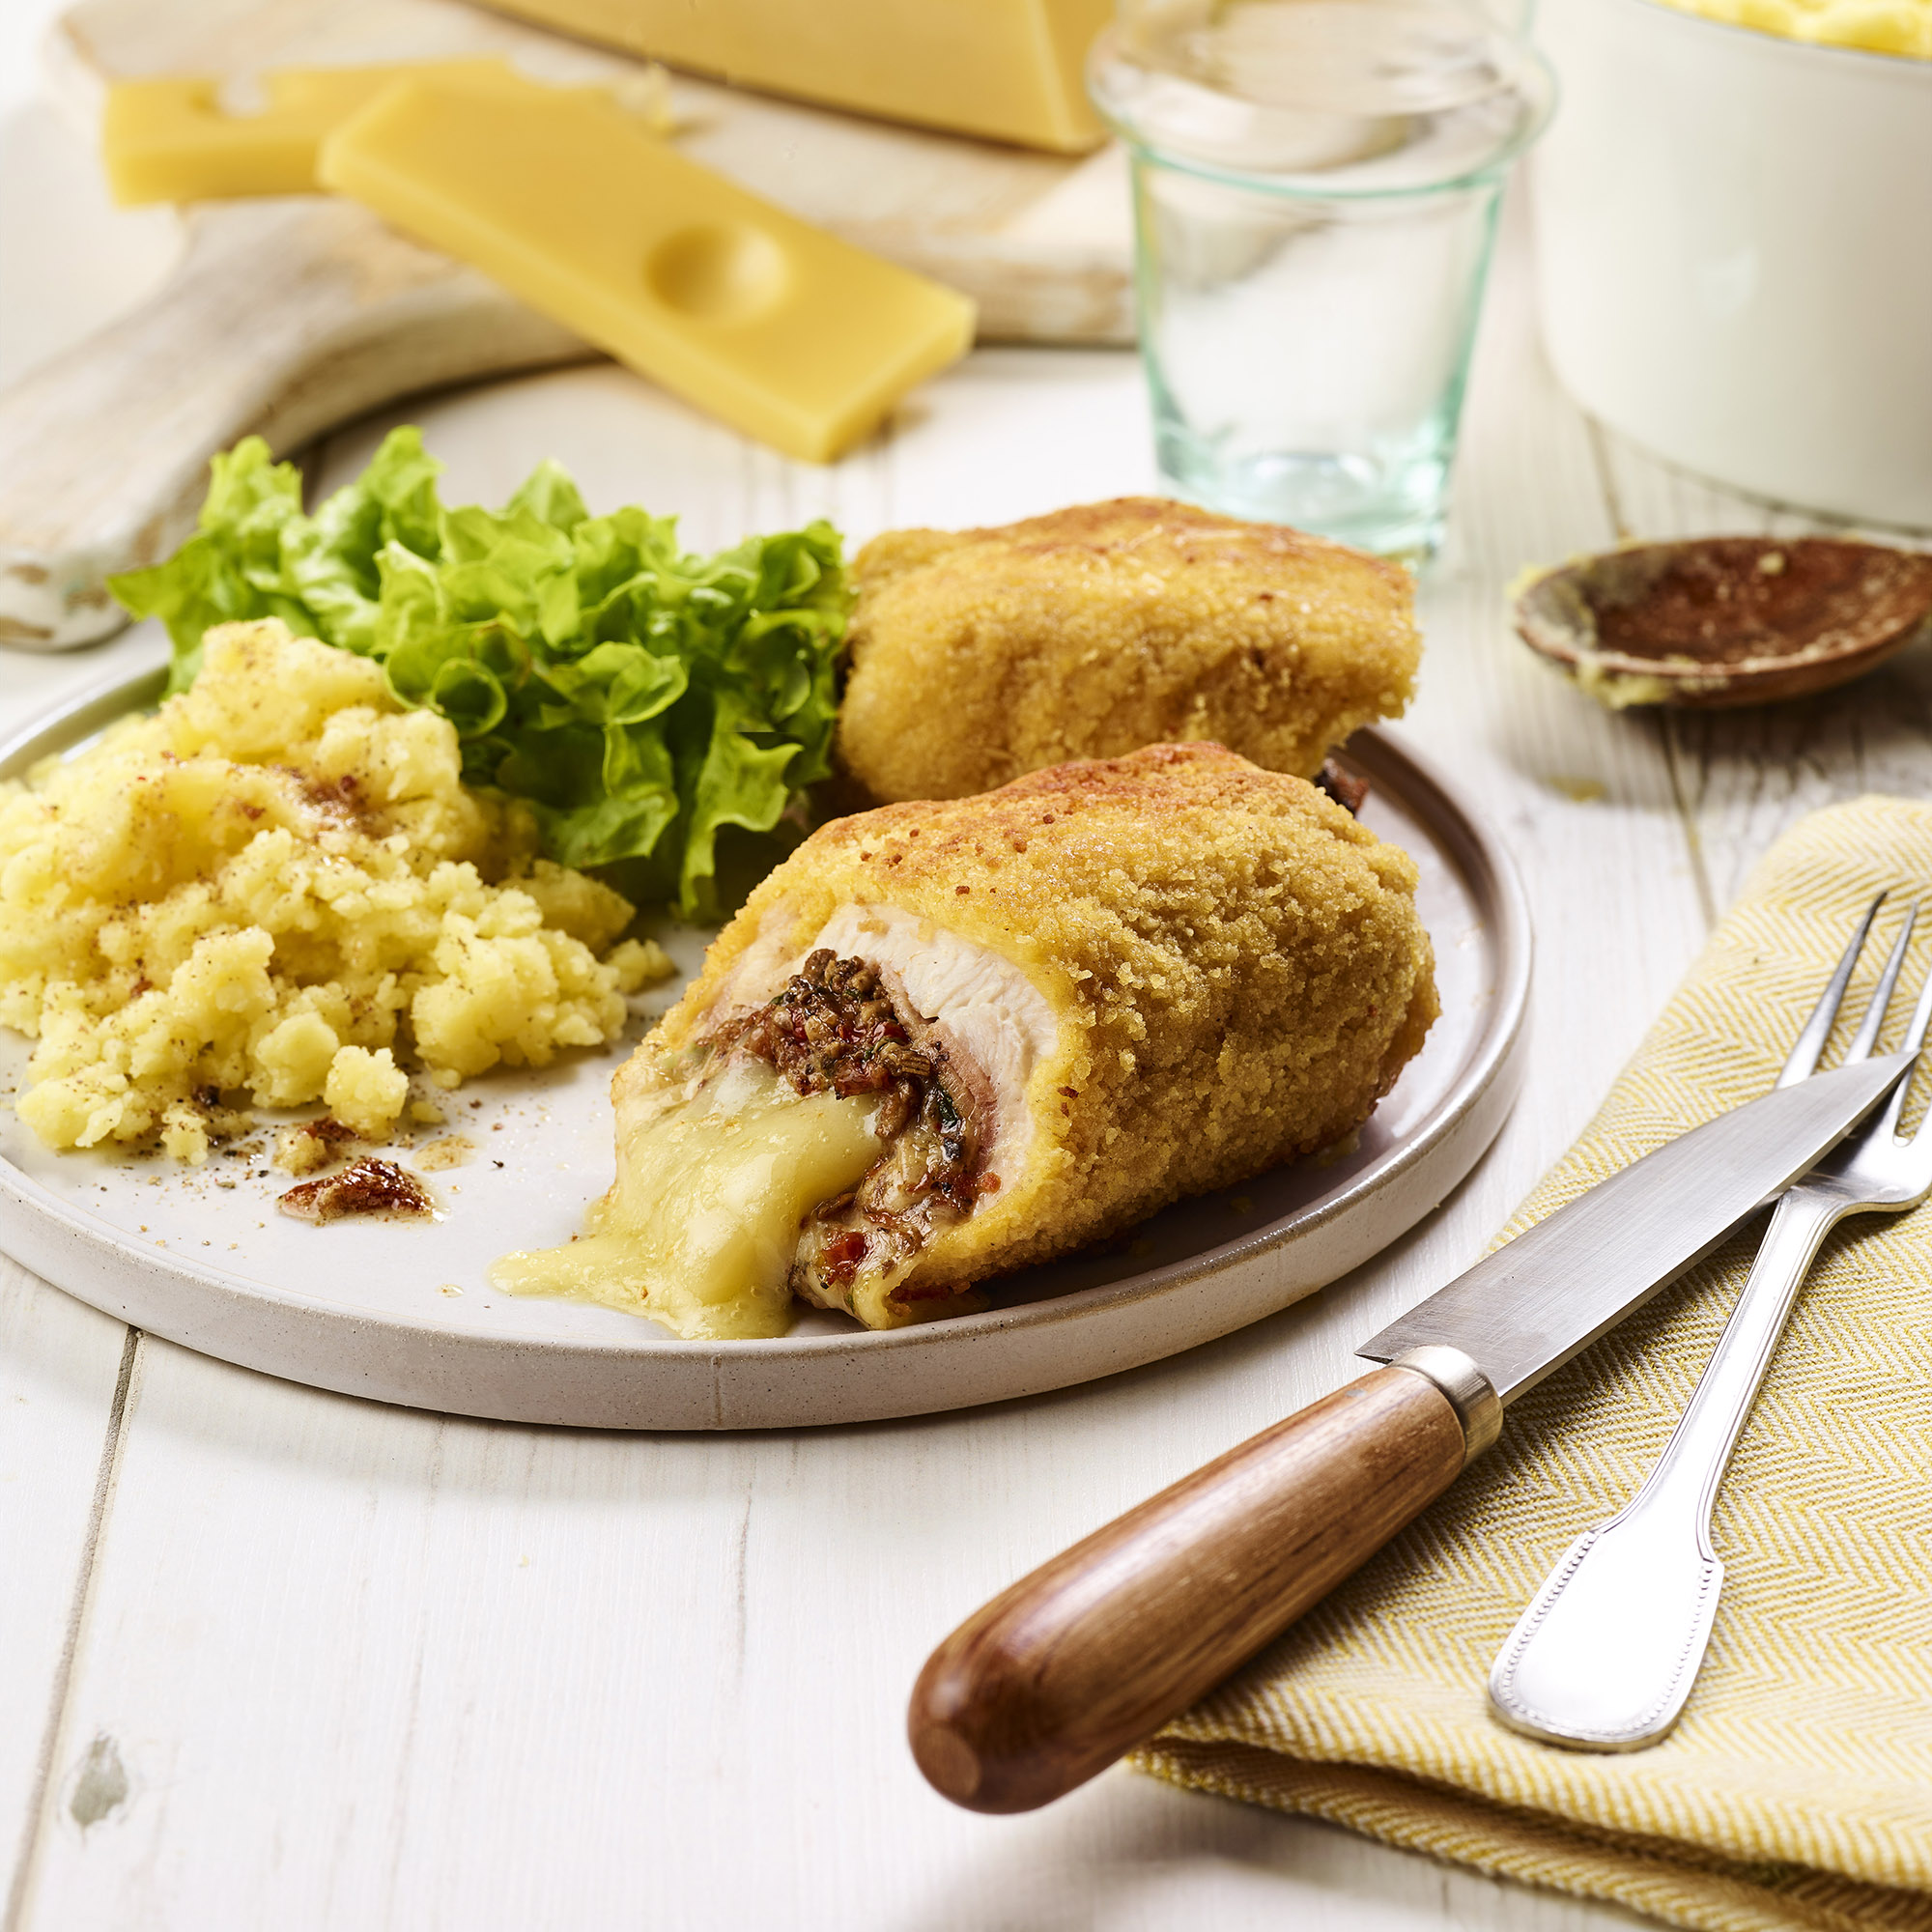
<point>1316,186</point>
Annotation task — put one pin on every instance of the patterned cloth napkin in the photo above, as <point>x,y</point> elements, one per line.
<point>1797,1790</point>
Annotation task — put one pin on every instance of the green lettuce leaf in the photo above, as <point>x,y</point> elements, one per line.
<point>640,697</point>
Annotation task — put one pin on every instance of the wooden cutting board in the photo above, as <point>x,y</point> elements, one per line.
<point>287,317</point>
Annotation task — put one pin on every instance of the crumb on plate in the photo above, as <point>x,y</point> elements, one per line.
<point>370,1188</point>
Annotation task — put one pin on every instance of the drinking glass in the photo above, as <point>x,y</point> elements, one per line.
<point>1316,184</point>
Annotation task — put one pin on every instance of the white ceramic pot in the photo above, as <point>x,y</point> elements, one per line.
<point>1734,238</point>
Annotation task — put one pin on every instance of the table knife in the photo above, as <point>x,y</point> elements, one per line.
<point>1088,1655</point>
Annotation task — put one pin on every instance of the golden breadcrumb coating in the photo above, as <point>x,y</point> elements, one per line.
<point>979,655</point>
<point>1236,967</point>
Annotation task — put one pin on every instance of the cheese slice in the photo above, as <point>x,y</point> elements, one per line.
<point>701,1227</point>
<point>171,139</point>
<point>1009,69</point>
<point>786,333</point>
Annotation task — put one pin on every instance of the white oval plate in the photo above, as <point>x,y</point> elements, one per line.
<point>404,1312</point>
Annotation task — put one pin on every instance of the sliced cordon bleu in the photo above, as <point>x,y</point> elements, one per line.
<point>943,1040</point>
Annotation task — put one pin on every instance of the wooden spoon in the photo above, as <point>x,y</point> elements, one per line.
<point>1720,622</point>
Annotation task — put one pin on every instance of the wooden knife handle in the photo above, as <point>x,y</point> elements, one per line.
<point>1089,1655</point>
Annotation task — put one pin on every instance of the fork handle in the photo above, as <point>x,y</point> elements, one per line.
<point>1606,1654</point>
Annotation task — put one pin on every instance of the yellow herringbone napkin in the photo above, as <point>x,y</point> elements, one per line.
<point>1797,1792</point>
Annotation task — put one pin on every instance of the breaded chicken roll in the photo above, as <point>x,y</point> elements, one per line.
<point>942,1040</point>
<point>979,655</point>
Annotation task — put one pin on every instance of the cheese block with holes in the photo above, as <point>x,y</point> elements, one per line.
<point>782,329</point>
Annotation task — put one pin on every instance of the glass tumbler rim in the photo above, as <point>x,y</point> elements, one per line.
<point>1313,187</point>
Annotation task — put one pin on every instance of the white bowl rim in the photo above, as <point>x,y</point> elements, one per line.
<point>1870,59</point>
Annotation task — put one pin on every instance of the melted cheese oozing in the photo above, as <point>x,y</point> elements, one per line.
<point>701,1227</point>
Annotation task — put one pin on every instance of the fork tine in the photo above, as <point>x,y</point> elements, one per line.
<point>1873,1022</point>
<point>1915,1038</point>
<point>1804,1060</point>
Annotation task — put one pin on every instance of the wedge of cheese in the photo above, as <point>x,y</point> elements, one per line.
<point>784,332</point>
<point>171,139</point>
<point>1008,68</point>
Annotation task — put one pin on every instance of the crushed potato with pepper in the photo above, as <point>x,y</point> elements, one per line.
<point>1876,26</point>
<point>277,886</point>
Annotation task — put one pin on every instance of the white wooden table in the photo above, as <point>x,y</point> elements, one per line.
<point>269,1657</point>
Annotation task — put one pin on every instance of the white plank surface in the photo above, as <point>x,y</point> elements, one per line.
<point>61,1364</point>
<point>341,1665</point>
<point>64,1372</point>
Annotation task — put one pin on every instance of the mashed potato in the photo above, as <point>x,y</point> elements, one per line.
<point>279,887</point>
<point>1877,26</point>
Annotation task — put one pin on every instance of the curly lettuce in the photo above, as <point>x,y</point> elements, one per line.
<point>640,697</point>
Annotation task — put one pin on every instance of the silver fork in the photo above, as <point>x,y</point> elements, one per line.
<point>1606,1654</point>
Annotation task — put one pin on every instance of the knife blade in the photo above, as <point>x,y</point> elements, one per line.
<point>1076,1663</point>
<point>1525,1309</point>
